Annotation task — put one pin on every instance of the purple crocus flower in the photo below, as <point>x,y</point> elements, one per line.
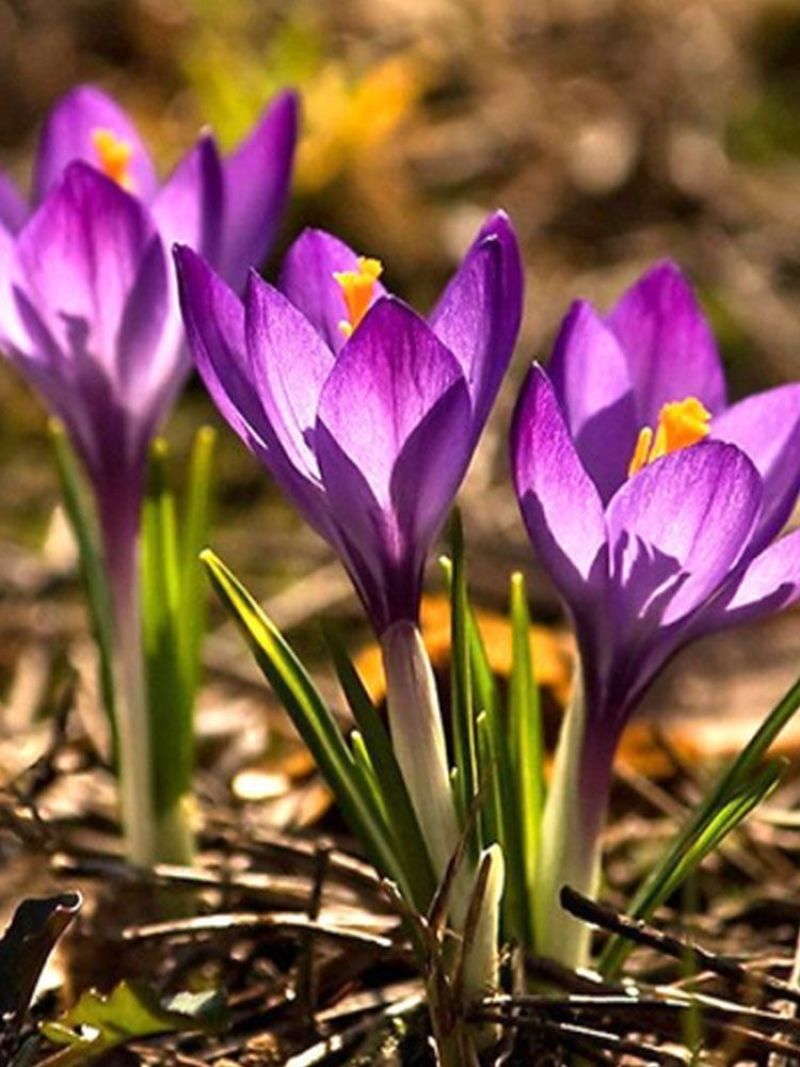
<point>227,207</point>
<point>88,302</point>
<point>366,413</point>
<point>654,507</point>
<point>89,313</point>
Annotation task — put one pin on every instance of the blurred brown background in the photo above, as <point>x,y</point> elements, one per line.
<point>614,132</point>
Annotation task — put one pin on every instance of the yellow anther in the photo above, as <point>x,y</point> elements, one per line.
<point>641,453</point>
<point>114,156</point>
<point>680,424</point>
<point>357,289</point>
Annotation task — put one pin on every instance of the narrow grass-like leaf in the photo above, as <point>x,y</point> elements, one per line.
<point>162,621</point>
<point>92,569</point>
<point>525,730</point>
<point>729,784</point>
<point>485,693</point>
<point>731,813</point>
<point>410,847</point>
<point>193,538</point>
<point>173,622</point>
<point>751,756</point>
<point>703,833</point>
<point>461,706</point>
<point>497,775</point>
<point>504,824</point>
<point>366,771</point>
<point>492,804</point>
<point>311,717</point>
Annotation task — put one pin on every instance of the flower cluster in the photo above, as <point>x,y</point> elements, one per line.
<point>656,507</point>
<point>89,314</point>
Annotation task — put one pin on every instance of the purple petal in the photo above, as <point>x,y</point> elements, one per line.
<point>479,314</point>
<point>767,428</point>
<point>676,530</point>
<point>360,537</point>
<point>592,382</point>
<point>385,382</point>
<point>13,333</point>
<point>770,583</point>
<point>560,504</point>
<point>257,177</point>
<point>93,268</point>
<point>670,349</point>
<point>83,318</point>
<point>214,319</point>
<point>189,207</point>
<point>68,135</point>
<point>393,444</point>
<point>289,365</point>
<point>307,279</point>
<point>28,344</point>
<point>216,327</point>
<point>146,365</point>
<point>13,209</point>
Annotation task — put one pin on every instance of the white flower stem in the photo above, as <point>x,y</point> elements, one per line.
<point>415,724</point>
<point>418,740</point>
<point>570,840</point>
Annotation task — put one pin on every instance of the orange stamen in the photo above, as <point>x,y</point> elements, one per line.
<point>680,424</point>
<point>357,289</point>
<point>114,157</point>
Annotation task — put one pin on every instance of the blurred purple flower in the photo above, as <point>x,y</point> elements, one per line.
<point>88,300</point>
<point>655,528</point>
<point>228,208</point>
<point>366,414</point>
<point>89,313</point>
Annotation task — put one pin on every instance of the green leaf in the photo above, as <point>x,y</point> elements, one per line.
<point>502,801</point>
<point>497,776</point>
<point>525,730</point>
<point>193,539</point>
<point>366,770</point>
<point>726,818</point>
<point>98,1024</point>
<point>409,844</point>
<point>462,711</point>
<point>311,717</point>
<point>485,698</point>
<point>492,806</point>
<point>740,787</point>
<point>169,703</point>
<point>173,619</point>
<point>93,574</point>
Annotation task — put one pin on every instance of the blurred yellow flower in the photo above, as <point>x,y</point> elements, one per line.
<point>347,114</point>
<point>348,118</point>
